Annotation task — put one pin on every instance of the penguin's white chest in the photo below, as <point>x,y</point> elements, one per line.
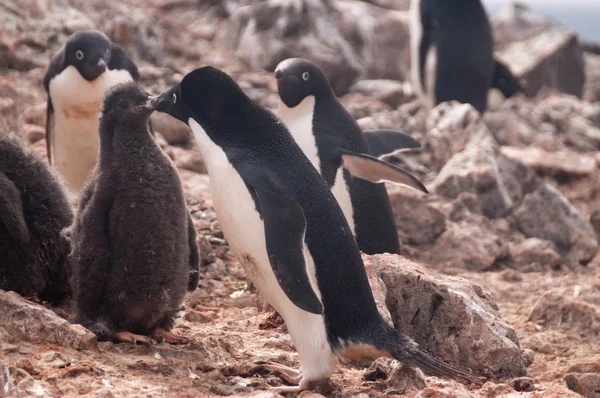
<point>245,234</point>
<point>299,120</point>
<point>76,103</point>
<point>430,62</point>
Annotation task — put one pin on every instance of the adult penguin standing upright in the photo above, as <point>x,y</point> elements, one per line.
<point>324,131</point>
<point>76,80</point>
<point>288,231</point>
<point>451,51</point>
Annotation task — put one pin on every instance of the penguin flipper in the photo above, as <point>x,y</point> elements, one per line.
<point>194,256</point>
<point>376,170</point>
<point>11,210</point>
<point>504,80</point>
<point>49,122</point>
<point>285,228</point>
<point>382,142</point>
<point>120,60</point>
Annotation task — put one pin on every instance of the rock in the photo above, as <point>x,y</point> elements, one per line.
<point>33,133</point>
<point>449,126</point>
<point>561,164</point>
<point>523,384</point>
<point>589,365</point>
<point>554,310</point>
<point>328,33</point>
<point>36,114</point>
<point>592,81</point>
<point>6,383</point>
<point>380,37</point>
<point>472,246</point>
<point>539,51</point>
<point>445,392</point>
<point>189,159</point>
<point>564,225</point>
<point>23,320</point>
<point>528,357</point>
<point>379,291</point>
<point>359,105</point>
<point>449,317</point>
<point>498,182</point>
<point>533,253</point>
<point>396,375</point>
<point>195,186</point>
<point>417,220</point>
<point>174,131</point>
<point>264,34</point>
<point>586,384</point>
<point>391,92</point>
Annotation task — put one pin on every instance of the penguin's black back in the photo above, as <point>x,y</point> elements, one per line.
<point>334,128</point>
<point>262,150</point>
<point>38,266</point>
<point>461,32</point>
<point>143,234</point>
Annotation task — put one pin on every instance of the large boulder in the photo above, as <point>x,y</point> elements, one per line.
<point>498,182</point>
<point>556,310</point>
<point>547,214</point>
<point>539,50</point>
<point>449,317</point>
<point>23,320</point>
<point>347,39</point>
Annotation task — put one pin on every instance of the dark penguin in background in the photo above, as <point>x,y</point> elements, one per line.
<point>76,81</point>
<point>451,51</point>
<point>33,211</point>
<point>324,130</point>
<point>288,231</point>
<point>505,81</point>
<point>134,244</point>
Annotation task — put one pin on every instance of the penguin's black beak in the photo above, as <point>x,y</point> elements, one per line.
<point>170,102</point>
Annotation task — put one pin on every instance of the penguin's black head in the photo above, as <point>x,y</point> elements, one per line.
<point>207,95</point>
<point>88,51</point>
<point>127,104</point>
<point>299,78</point>
<point>505,81</point>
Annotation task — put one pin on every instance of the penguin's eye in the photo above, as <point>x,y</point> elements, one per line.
<point>174,98</point>
<point>123,104</point>
<point>305,76</point>
<point>79,54</point>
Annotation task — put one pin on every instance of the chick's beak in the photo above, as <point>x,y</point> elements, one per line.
<point>152,102</point>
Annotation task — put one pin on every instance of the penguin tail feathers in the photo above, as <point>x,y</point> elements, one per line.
<point>407,351</point>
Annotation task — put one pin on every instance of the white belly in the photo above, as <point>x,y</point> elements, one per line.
<point>75,140</point>
<point>299,121</point>
<point>244,231</point>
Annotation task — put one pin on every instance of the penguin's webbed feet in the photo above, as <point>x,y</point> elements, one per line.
<point>160,334</point>
<point>289,375</point>
<point>132,338</point>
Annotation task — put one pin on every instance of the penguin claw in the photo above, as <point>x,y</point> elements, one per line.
<point>132,338</point>
<point>162,335</point>
<point>288,374</point>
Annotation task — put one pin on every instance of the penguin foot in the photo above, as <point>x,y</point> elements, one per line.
<point>288,374</point>
<point>160,334</point>
<point>132,338</point>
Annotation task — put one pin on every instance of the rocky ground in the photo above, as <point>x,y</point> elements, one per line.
<point>501,272</point>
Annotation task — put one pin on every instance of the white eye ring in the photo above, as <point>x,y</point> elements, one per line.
<point>174,98</point>
<point>79,54</point>
<point>305,76</point>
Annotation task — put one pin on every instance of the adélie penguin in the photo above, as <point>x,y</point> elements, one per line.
<point>287,230</point>
<point>34,210</point>
<point>325,131</point>
<point>76,81</point>
<point>134,244</point>
<point>451,51</point>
